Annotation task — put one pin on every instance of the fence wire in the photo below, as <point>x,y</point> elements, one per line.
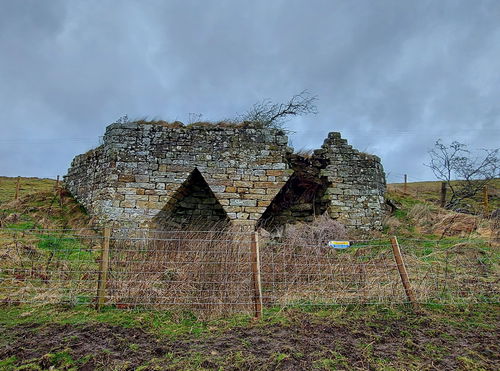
<point>42,266</point>
<point>206,271</point>
<point>210,272</point>
<point>453,272</point>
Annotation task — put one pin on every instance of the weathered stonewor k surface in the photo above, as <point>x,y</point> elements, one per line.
<point>174,176</point>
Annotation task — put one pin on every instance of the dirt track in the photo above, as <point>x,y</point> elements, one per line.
<point>307,342</point>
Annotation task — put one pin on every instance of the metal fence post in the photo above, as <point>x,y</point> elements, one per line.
<point>103,269</point>
<point>402,271</point>
<point>255,257</point>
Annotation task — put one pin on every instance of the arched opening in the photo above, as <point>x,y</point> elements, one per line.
<point>193,206</point>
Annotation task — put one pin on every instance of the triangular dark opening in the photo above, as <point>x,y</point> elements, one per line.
<point>193,206</point>
<point>300,200</point>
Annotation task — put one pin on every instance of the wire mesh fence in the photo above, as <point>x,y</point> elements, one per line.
<point>318,274</point>
<point>207,271</point>
<point>42,266</point>
<point>214,272</point>
<point>453,271</point>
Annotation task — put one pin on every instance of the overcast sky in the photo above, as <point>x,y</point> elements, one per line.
<point>391,76</point>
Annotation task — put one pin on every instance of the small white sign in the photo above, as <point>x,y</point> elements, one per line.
<point>339,244</point>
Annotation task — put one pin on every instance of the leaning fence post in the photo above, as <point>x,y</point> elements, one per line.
<point>402,271</point>
<point>17,187</point>
<point>103,269</point>
<point>255,257</point>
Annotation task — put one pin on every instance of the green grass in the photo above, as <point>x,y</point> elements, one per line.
<point>178,323</point>
<point>26,186</point>
<point>431,192</point>
<point>429,333</point>
<point>165,323</point>
<point>39,206</point>
<point>8,363</point>
<point>66,247</point>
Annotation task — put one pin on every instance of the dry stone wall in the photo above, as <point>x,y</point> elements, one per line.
<point>146,164</point>
<point>147,175</point>
<point>356,184</point>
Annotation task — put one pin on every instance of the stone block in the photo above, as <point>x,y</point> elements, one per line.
<point>239,202</point>
<point>127,203</point>
<point>126,178</point>
<point>274,172</point>
<point>263,203</point>
<point>246,184</point>
<point>246,167</point>
<point>258,191</point>
<point>252,209</point>
<point>233,209</point>
<point>267,185</point>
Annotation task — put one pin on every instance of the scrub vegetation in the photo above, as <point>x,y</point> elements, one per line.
<point>301,336</point>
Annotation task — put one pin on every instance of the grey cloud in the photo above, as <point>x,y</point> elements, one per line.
<point>392,76</point>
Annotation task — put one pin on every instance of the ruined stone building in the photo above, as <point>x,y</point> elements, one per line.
<point>173,176</point>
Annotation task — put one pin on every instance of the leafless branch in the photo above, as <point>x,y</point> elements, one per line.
<point>455,162</point>
<point>274,114</point>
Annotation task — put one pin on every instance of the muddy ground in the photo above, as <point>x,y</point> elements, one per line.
<point>304,341</point>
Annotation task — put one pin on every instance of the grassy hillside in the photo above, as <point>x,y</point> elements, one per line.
<point>419,215</point>
<point>431,192</point>
<point>26,186</point>
<point>72,335</point>
<point>39,206</point>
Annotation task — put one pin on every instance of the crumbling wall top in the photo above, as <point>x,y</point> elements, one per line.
<point>136,176</point>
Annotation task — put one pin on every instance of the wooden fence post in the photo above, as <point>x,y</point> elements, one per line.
<point>103,269</point>
<point>56,187</point>
<point>485,200</point>
<point>405,188</point>
<point>255,257</point>
<point>402,272</point>
<point>17,187</point>
<point>443,194</point>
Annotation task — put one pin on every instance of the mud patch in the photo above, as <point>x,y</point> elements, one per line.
<point>306,341</point>
<point>90,346</point>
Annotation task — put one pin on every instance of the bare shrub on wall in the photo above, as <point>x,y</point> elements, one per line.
<point>271,114</point>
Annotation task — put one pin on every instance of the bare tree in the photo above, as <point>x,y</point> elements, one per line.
<point>464,174</point>
<point>274,114</point>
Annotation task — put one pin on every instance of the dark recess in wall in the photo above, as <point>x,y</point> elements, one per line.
<point>301,199</point>
<point>193,206</point>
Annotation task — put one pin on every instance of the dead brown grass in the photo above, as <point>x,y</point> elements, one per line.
<point>209,272</point>
<point>430,220</point>
<point>45,210</point>
<point>194,125</point>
